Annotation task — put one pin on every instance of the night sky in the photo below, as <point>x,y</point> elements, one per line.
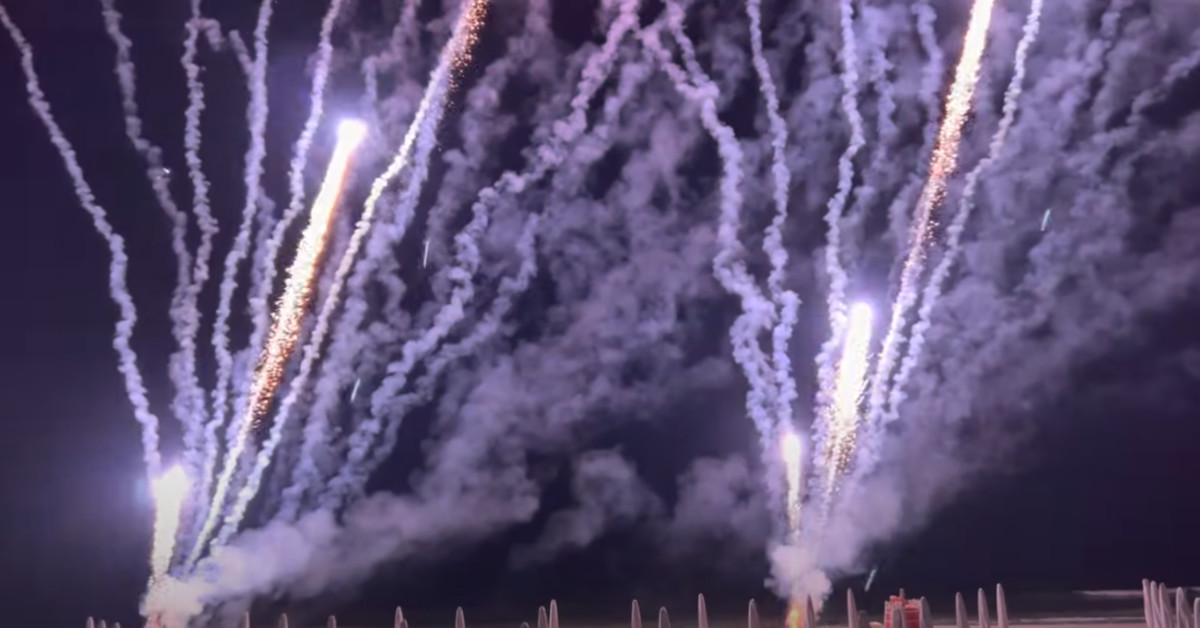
<point>1095,487</point>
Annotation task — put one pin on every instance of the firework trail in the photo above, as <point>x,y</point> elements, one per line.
<point>728,267</point>
<point>386,412</point>
<point>876,25</point>
<point>404,36</point>
<point>455,56</point>
<point>792,452</point>
<point>546,157</point>
<point>786,301</point>
<point>837,205</point>
<point>842,414</point>
<point>265,263</point>
<point>202,456</point>
<point>933,289</point>
<point>352,477</point>
<point>170,490</point>
<point>941,166</point>
<point>931,83</point>
<point>289,316</point>
<point>255,154</point>
<point>119,262</point>
<point>189,402</point>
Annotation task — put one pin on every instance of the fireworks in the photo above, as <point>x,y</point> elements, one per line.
<point>170,491</point>
<point>850,383</point>
<point>269,378</point>
<point>792,451</point>
<point>289,314</point>
<point>462,46</point>
<point>285,331</point>
<point>941,166</point>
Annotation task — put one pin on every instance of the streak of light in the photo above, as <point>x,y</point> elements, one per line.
<point>1046,218</point>
<point>289,314</point>
<point>942,164</point>
<point>795,614</point>
<point>425,255</point>
<point>354,391</point>
<point>850,383</point>
<point>792,451</point>
<point>170,490</point>
<point>473,19</point>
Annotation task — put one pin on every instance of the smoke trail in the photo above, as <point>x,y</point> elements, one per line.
<point>391,410</point>
<point>837,205</point>
<point>454,55</point>
<point>286,328</point>
<point>119,262</point>
<point>878,26</point>
<point>404,35</point>
<point>202,456</point>
<point>729,270</point>
<point>257,116</point>
<point>547,156</point>
<point>189,403</point>
<point>842,414</point>
<point>941,166</point>
<point>265,264</point>
<point>931,83</point>
<point>542,158</point>
<point>786,301</point>
<point>933,289</point>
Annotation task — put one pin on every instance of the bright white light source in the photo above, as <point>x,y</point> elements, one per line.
<point>792,451</point>
<point>352,131</point>
<point>172,485</point>
<point>861,316</point>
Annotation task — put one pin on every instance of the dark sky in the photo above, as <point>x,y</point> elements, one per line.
<point>1100,496</point>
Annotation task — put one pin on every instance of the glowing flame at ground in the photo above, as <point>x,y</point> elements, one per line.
<point>793,458</point>
<point>289,313</point>
<point>795,615</point>
<point>849,385</point>
<point>170,490</point>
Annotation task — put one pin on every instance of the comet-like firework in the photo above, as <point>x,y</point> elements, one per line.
<point>941,166</point>
<point>289,314</point>
<point>302,275</point>
<point>170,491</point>
<point>850,383</point>
<point>792,450</point>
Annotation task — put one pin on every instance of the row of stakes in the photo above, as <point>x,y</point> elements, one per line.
<point>1154,595</point>
<point>1159,614</point>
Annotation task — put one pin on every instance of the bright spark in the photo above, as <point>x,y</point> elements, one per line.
<point>354,391</point>
<point>476,12</point>
<point>942,165</point>
<point>302,275</point>
<point>289,313</point>
<point>849,385</point>
<point>170,490</point>
<point>792,450</point>
<point>945,152</point>
<point>1046,218</point>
